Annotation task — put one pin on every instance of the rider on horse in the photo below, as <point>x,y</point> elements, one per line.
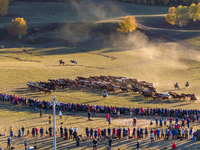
<point>187,84</point>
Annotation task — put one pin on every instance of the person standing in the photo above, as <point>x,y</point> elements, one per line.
<point>138,145</point>
<point>134,121</point>
<point>183,124</point>
<point>41,132</point>
<point>25,144</point>
<point>8,142</point>
<point>19,133</point>
<point>89,115</point>
<point>66,133</point>
<point>165,122</point>
<point>188,123</point>
<point>11,131</point>
<point>41,111</point>
<point>95,134</point>
<point>50,131</point>
<point>160,122</point>
<point>49,119</point>
<point>37,132</point>
<point>91,133</point>
<point>156,121</point>
<point>23,129</point>
<point>107,116</point>
<point>152,137</point>
<point>33,132</point>
<point>77,140</point>
<point>170,121</point>
<point>110,143</point>
<point>109,120</point>
<point>87,133</point>
<point>109,131</point>
<point>61,131</point>
<point>176,120</point>
<point>158,134</point>
<point>60,114</point>
<point>94,144</point>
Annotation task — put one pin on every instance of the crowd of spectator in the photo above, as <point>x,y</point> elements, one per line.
<point>113,110</point>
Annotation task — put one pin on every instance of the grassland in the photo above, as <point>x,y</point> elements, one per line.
<point>155,53</point>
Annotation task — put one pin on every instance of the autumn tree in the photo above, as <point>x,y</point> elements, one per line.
<point>3,7</point>
<point>171,15</point>
<point>129,24</point>
<point>18,27</point>
<point>182,15</point>
<point>193,12</point>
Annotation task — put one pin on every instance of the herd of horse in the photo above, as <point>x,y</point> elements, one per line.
<point>109,83</point>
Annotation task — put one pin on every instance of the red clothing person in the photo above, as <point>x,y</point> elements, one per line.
<point>107,116</point>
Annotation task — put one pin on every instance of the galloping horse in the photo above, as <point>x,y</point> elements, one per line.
<point>176,86</point>
<point>61,62</point>
<point>73,61</point>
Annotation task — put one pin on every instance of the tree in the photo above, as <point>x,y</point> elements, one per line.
<point>171,16</point>
<point>182,15</point>
<point>193,12</point>
<point>198,9</point>
<point>3,7</point>
<point>129,24</point>
<point>18,27</point>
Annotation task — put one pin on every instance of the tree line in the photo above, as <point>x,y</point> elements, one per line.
<point>181,15</point>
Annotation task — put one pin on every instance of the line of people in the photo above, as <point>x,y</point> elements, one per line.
<point>168,132</point>
<point>113,110</point>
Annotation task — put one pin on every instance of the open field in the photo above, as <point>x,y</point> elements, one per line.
<point>156,53</point>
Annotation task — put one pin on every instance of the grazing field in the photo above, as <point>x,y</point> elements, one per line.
<point>86,32</point>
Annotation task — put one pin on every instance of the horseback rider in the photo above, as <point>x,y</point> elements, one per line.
<point>176,84</point>
<point>187,84</point>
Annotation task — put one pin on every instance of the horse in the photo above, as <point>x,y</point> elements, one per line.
<point>61,62</point>
<point>177,86</point>
<point>193,98</point>
<point>123,89</point>
<point>73,61</point>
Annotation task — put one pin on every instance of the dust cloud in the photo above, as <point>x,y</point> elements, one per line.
<point>159,59</point>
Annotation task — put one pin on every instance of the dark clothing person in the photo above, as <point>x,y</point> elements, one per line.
<point>94,144</point>
<point>50,131</point>
<point>33,132</point>
<point>138,145</point>
<point>89,114</point>
<point>77,140</point>
<point>61,131</point>
<point>41,111</point>
<point>41,132</point>
<point>23,129</point>
<point>109,143</point>
<point>66,133</point>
